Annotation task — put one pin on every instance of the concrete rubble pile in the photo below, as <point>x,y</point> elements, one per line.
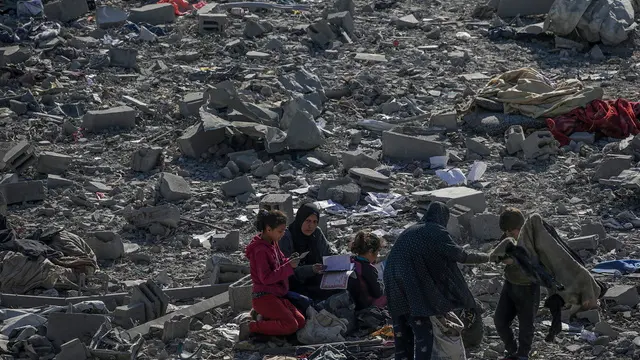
<point>153,134</point>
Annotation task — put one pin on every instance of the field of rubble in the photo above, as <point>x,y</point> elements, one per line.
<point>157,139</point>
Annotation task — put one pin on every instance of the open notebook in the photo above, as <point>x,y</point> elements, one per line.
<point>337,270</point>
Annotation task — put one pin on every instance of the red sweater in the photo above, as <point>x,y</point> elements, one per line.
<point>269,268</point>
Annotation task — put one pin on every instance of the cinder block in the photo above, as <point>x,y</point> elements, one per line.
<point>17,193</point>
<point>447,120</point>
<point>459,195</point>
<point>589,242</point>
<point>240,295</point>
<point>191,103</point>
<point>53,163</point>
<point>406,147</point>
<point>623,295</point>
<point>146,158</point>
<point>16,156</point>
<point>176,328</point>
<point>208,23</point>
<point>282,202</point>
<point>117,117</point>
<point>514,138</point>
<point>226,241</point>
<point>486,227</point>
<point>195,141</point>
<point>154,14</point>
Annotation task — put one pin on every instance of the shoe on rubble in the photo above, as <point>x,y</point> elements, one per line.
<point>245,331</point>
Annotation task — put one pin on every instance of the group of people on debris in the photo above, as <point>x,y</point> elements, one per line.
<point>424,290</point>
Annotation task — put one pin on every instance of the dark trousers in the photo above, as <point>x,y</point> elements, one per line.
<point>413,337</point>
<point>521,301</point>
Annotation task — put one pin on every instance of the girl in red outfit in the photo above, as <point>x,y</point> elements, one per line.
<point>270,272</point>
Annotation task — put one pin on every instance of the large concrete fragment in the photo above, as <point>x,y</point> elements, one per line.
<point>23,191</point>
<point>106,245</point>
<point>146,158</point>
<point>53,163</point>
<point>195,141</point>
<point>63,327</point>
<point>117,117</point>
<point>65,10</point>
<point>406,147</point>
<point>623,295</point>
<point>154,14</point>
<point>461,195</point>
<point>485,227</point>
<point>303,133</point>
<point>174,187</point>
<point>16,156</point>
<point>343,191</point>
<point>351,159</point>
<point>240,295</point>
<point>612,165</point>
<point>370,180</point>
<point>237,186</point>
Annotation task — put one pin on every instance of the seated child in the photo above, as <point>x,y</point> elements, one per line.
<point>366,289</point>
<point>270,272</point>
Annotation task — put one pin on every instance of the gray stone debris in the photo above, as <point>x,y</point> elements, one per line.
<point>343,191</point>
<point>351,159</point>
<point>237,186</point>
<point>146,158</point>
<point>174,187</point>
<point>370,180</point>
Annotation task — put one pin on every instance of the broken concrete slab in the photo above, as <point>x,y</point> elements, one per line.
<point>63,327</point>
<point>595,228</point>
<point>447,120</point>
<point>53,163</point>
<point>351,159</point>
<point>461,195</point>
<point>612,165</point>
<point>406,147</point>
<point>109,17</point>
<point>622,295</point>
<point>13,55</point>
<point>175,328</point>
<point>117,117</point>
<point>167,215</point>
<point>23,191</point>
<point>174,187</point>
<point>226,241</point>
<point>65,10</point>
<point>73,350</point>
<point>240,295</point>
<point>237,186</point>
<point>589,242</point>
<point>196,141</point>
<point>303,133</point>
<point>146,159</point>
<point>343,191</point>
<point>191,103</point>
<point>56,181</point>
<point>153,14</point>
<point>106,245</point>
<point>129,315</point>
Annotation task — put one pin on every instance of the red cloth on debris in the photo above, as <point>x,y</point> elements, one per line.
<point>182,7</point>
<point>612,118</point>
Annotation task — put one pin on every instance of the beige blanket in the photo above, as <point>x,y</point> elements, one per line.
<point>529,93</point>
<point>581,288</point>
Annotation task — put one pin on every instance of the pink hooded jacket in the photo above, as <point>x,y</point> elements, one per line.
<point>270,270</point>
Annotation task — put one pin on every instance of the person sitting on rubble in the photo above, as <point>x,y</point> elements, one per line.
<point>423,284</point>
<point>304,235</point>
<point>366,289</point>
<point>270,272</point>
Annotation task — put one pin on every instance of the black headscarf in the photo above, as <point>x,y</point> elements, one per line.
<point>421,276</point>
<point>301,242</point>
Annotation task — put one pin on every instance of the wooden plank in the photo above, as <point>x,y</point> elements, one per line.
<point>190,311</point>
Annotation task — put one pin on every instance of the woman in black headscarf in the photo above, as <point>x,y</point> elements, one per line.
<point>304,235</point>
<point>422,279</point>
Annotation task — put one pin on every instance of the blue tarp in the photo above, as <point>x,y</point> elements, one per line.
<point>627,266</point>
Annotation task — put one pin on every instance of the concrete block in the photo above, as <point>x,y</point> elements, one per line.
<point>240,295</point>
<point>603,328</point>
<point>237,186</point>
<point>154,14</point>
<point>117,117</point>
<point>16,156</point>
<point>106,245</point>
<point>65,10</point>
<point>243,159</point>
<point>476,145</point>
<point>13,55</point>
<point>584,137</point>
<point>343,191</point>
<point>612,165</point>
<point>345,5</point>
<point>595,228</point>
<point>592,315</point>
<point>109,17</point>
<point>176,328</point>
<point>351,159</point>
<point>53,163</point>
<point>154,299</point>
<point>167,215</point>
<point>540,144</point>
<point>55,181</point>
<point>460,195</point>
<point>227,241</point>
<point>17,193</point>
<point>218,271</point>
<point>83,42</point>
<point>123,57</point>
<point>514,138</point>
<point>513,8</point>
<point>146,158</point>
<point>208,23</point>
<point>589,242</point>
<point>321,33</point>
<point>342,20</point>
<point>622,295</point>
<point>195,141</point>
<point>191,103</point>
<point>174,187</point>
<point>130,315</point>
<point>463,214</point>
<point>282,202</point>
<point>254,29</point>
<point>447,120</point>
<point>63,327</point>
<point>406,147</point>
<point>485,227</point>
<point>73,350</point>
<point>370,180</point>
